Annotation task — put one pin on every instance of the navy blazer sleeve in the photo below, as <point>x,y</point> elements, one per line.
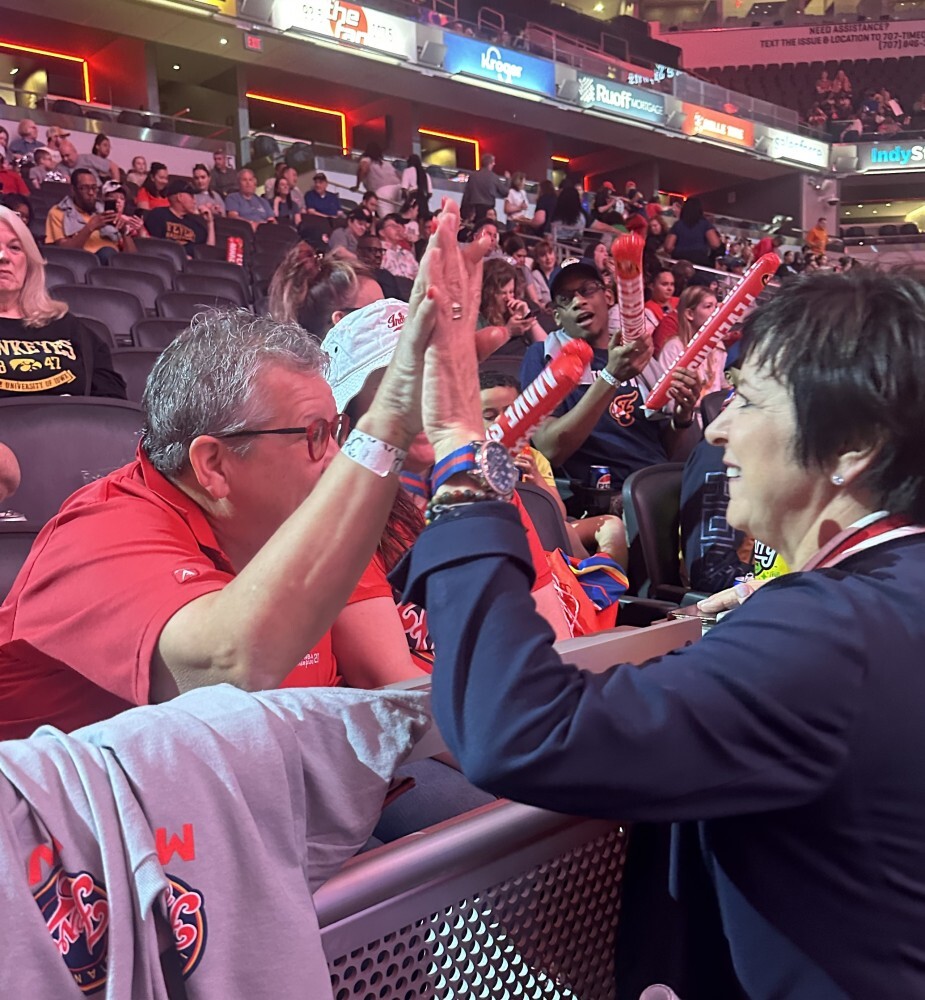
<point>756,716</point>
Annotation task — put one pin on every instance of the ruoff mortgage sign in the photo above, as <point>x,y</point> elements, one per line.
<point>619,99</point>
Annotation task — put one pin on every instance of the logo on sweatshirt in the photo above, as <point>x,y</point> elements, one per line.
<point>186,912</point>
<point>76,912</point>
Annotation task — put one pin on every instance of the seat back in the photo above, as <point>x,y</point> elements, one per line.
<point>711,405</point>
<point>167,249</point>
<point>241,228</point>
<point>134,364</point>
<point>101,330</point>
<point>503,364</point>
<point>79,261</point>
<point>546,517</point>
<point>185,305</point>
<point>16,538</point>
<point>59,274</point>
<point>218,268</point>
<point>209,284</point>
<point>118,309</point>
<point>63,442</point>
<point>146,287</point>
<point>156,334</point>
<point>146,264</point>
<point>652,510</point>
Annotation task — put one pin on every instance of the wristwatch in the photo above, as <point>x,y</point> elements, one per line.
<point>487,462</point>
<point>373,454</point>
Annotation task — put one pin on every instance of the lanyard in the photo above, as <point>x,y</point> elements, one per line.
<point>868,532</point>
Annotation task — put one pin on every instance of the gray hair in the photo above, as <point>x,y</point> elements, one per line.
<point>206,381</point>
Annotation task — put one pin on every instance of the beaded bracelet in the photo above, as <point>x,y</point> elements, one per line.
<point>446,499</point>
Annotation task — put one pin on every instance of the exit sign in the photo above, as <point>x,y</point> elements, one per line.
<point>253,43</point>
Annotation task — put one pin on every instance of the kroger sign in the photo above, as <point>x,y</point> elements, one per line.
<point>605,95</point>
<point>489,62</point>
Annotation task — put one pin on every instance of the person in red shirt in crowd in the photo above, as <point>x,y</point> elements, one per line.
<point>11,181</point>
<point>767,244</point>
<point>229,546</point>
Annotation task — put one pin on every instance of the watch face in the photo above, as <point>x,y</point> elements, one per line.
<point>498,468</point>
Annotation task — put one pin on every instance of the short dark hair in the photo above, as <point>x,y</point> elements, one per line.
<point>850,349</point>
<point>75,174</point>
<point>393,217</point>
<point>498,380</point>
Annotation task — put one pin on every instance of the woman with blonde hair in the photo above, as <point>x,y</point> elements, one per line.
<point>43,348</point>
<point>696,304</point>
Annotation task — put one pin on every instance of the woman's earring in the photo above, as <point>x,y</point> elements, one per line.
<point>838,480</point>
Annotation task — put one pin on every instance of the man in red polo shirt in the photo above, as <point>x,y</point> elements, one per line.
<point>206,560</point>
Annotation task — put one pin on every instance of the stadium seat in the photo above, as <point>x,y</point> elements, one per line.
<point>652,510</point>
<point>156,334</point>
<point>119,310</point>
<point>79,261</point>
<point>146,264</point>
<point>220,269</point>
<point>506,364</point>
<point>908,229</point>
<point>101,330</point>
<point>163,248</point>
<point>185,305</point>
<point>208,284</point>
<point>90,437</point>
<point>16,538</point>
<point>146,287</point>
<point>546,518</point>
<point>58,274</point>
<point>203,252</point>
<point>273,236</point>
<point>888,230</point>
<point>855,231</point>
<point>234,227</point>
<point>711,405</point>
<point>134,364</point>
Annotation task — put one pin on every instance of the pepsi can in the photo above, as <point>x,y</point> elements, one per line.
<point>600,477</point>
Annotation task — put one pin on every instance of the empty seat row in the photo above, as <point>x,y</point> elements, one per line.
<point>120,311</point>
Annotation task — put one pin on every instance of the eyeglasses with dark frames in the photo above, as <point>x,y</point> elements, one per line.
<point>585,290</point>
<point>316,434</point>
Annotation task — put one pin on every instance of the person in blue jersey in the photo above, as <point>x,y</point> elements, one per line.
<point>787,743</point>
<point>603,421</point>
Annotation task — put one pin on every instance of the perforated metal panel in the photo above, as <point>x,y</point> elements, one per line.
<point>548,933</point>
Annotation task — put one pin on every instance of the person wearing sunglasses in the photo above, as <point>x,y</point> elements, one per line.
<point>224,552</point>
<point>603,421</point>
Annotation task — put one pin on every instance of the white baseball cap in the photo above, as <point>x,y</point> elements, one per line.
<point>363,342</point>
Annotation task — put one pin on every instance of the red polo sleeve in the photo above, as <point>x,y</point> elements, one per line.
<point>102,616</point>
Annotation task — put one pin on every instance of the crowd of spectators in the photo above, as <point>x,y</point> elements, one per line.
<point>847,115</point>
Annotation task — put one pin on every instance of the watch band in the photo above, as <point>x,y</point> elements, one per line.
<point>377,456</point>
<point>461,460</point>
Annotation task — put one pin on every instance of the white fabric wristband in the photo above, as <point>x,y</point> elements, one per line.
<point>608,378</point>
<point>377,456</point>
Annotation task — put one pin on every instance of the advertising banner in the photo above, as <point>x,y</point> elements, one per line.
<point>621,100</point>
<point>716,125</point>
<point>890,157</point>
<point>808,43</point>
<point>348,22</point>
<point>504,66</point>
<point>794,148</point>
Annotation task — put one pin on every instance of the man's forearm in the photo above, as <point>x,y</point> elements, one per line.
<point>255,630</point>
<point>78,240</point>
<point>560,437</point>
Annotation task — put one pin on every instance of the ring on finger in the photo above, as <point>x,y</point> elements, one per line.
<point>456,310</point>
